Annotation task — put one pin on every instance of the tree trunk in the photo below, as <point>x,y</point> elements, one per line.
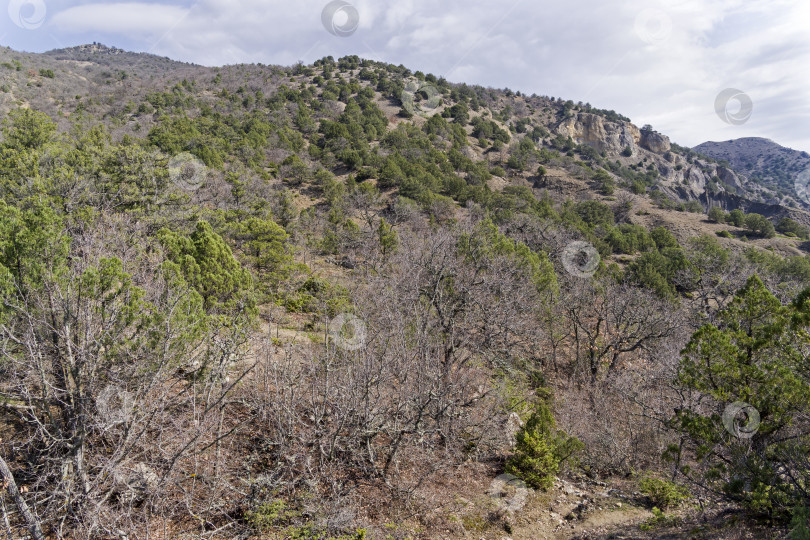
<point>22,506</point>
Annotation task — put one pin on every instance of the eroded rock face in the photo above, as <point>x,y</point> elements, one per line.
<point>729,177</point>
<point>654,142</point>
<point>611,137</point>
<point>601,134</point>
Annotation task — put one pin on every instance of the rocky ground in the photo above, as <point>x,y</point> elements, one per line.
<point>585,509</point>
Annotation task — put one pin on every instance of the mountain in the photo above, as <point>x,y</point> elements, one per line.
<point>764,162</point>
<point>354,300</point>
<point>104,79</point>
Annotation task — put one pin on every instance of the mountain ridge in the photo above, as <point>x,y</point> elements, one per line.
<point>764,162</point>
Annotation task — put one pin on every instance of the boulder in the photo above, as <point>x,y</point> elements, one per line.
<point>654,141</point>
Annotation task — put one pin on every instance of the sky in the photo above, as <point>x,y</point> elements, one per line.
<point>695,70</point>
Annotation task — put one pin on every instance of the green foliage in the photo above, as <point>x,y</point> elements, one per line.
<point>207,264</point>
<point>790,227</point>
<point>388,238</point>
<point>595,213</point>
<point>487,242</point>
<point>736,218</point>
<point>627,238</point>
<point>663,238</point>
<point>662,493</point>
<point>33,245</point>
<point>270,514</point>
<point>656,270</point>
<point>27,129</point>
<point>278,516</point>
<point>215,138</point>
<point>605,181</point>
<point>488,129</point>
<point>760,225</point>
<point>800,524</point>
<point>692,206</point>
<point>782,269</point>
<point>753,355</point>
<point>540,450</point>
<point>716,214</point>
<point>265,243</point>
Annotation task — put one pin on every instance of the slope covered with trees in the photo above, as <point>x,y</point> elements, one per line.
<point>324,301</point>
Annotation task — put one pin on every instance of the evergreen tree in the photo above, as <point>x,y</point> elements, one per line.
<point>750,437</point>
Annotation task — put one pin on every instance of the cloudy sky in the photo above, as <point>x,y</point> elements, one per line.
<point>660,62</point>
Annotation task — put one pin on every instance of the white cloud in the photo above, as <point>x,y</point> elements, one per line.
<point>586,50</point>
<point>125,18</point>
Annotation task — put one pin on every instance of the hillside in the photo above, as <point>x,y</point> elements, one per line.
<point>350,300</point>
<point>763,162</point>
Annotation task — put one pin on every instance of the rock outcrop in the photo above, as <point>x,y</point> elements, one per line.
<point>601,134</point>
<point>611,137</point>
<point>654,141</point>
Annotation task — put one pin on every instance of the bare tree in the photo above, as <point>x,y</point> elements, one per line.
<point>416,394</point>
<point>93,358</point>
<point>30,519</point>
<point>610,321</point>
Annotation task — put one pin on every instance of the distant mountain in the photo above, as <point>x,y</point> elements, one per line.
<point>762,161</point>
<point>113,57</point>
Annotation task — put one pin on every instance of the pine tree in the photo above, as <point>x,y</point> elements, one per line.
<point>541,448</point>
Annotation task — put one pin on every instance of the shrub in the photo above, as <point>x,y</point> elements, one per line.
<point>595,213</point>
<point>605,181</point>
<point>656,269</point>
<point>790,227</point>
<point>760,225</point>
<point>716,214</point>
<point>662,493</point>
<point>663,238</point>
<point>750,357</point>
<point>736,218</point>
<point>269,514</point>
<point>540,449</point>
<point>800,524</point>
<point>693,207</point>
